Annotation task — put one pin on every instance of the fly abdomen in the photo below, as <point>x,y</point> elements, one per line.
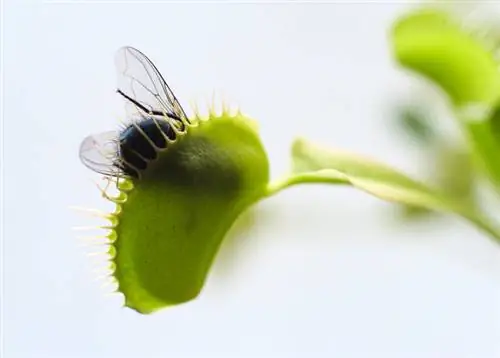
<point>130,162</point>
<point>152,130</point>
<point>136,150</point>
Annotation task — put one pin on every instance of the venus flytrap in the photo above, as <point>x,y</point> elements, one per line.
<point>182,182</point>
<point>173,220</point>
<point>384,182</point>
<point>437,46</point>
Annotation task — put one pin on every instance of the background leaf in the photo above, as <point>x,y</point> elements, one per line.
<point>381,181</point>
<point>434,44</point>
<point>437,45</point>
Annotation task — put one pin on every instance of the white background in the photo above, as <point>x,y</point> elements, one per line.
<point>323,271</point>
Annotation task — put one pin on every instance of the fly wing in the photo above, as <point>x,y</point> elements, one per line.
<point>100,153</point>
<point>145,88</point>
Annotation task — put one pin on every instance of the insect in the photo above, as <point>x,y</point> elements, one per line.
<point>152,112</point>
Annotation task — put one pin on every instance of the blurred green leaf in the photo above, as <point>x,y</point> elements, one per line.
<point>453,169</point>
<point>435,45</point>
<point>413,121</point>
<point>412,213</point>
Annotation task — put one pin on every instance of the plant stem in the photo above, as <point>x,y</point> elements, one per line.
<point>315,177</point>
<point>330,176</point>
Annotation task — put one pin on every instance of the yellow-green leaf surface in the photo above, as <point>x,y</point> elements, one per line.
<point>437,46</point>
<point>311,160</point>
<point>170,222</point>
